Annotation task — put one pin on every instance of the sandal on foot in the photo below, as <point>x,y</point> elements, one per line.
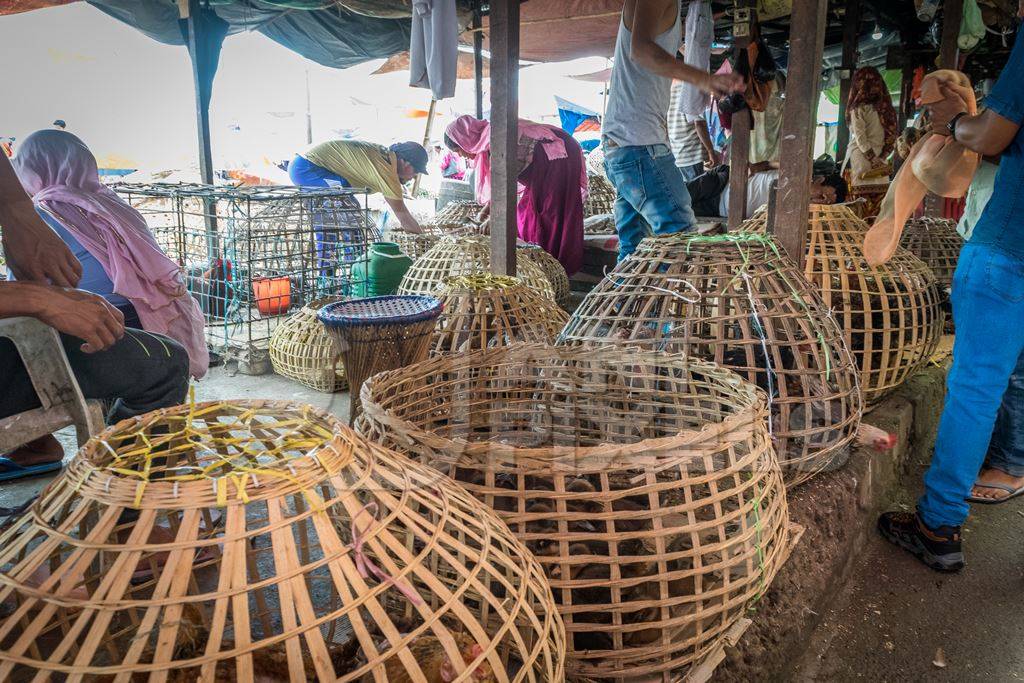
<point>1011,491</point>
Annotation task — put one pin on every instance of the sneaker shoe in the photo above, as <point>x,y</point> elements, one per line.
<point>938,548</point>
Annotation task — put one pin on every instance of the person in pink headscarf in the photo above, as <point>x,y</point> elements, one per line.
<point>121,261</point>
<point>552,183</point>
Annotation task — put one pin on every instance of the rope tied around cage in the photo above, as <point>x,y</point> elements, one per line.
<point>365,565</point>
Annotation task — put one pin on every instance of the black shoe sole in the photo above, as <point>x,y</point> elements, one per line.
<point>947,564</point>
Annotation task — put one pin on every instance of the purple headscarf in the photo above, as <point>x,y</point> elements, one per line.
<point>60,174</point>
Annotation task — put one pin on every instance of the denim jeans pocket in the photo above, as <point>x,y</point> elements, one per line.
<point>1004,275</point>
<point>628,178</point>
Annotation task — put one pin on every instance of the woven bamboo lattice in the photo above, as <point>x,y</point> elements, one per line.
<point>301,349</point>
<point>467,255</point>
<point>600,196</point>
<point>456,218</point>
<point>552,269</point>
<point>891,315</point>
<point>414,244</point>
<point>483,311</point>
<point>645,483</point>
<point>263,541</point>
<point>739,301</point>
<point>379,333</point>
<point>602,224</point>
<point>936,242</point>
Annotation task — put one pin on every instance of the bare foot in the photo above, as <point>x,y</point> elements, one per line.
<point>997,478</point>
<point>45,449</point>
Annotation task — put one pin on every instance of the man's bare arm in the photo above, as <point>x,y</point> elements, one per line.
<point>71,311</point>
<point>404,216</point>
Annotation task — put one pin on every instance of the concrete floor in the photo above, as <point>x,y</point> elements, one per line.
<point>219,384</point>
<point>895,614</point>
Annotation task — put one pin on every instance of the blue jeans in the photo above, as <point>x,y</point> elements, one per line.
<point>650,191</point>
<point>1006,452</point>
<point>988,308</point>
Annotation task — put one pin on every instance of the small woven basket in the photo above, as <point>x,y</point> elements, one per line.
<point>302,350</point>
<point>891,315</point>
<point>552,269</point>
<point>645,483</point>
<point>379,333</point>
<point>737,300</point>
<point>936,242</point>
<point>264,541</point>
<point>483,311</point>
<point>468,255</point>
<point>456,218</point>
<point>600,196</point>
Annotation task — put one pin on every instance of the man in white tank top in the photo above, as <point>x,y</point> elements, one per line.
<point>650,188</point>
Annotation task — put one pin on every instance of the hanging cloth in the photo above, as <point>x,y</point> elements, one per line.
<point>700,32</point>
<point>434,47</point>
<point>937,164</point>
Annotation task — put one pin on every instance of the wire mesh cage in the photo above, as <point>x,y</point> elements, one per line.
<point>645,484</point>
<point>483,311</point>
<point>252,254</point>
<point>737,300</point>
<point>552,269</point>
<point>891,315</point>
<point>465,255</point>
<point>936,242</point>
<point>600,196</point>
<point>264,541</point>
<point>301,349</point>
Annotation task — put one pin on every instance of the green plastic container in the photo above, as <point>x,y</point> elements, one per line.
<point>382,273</point>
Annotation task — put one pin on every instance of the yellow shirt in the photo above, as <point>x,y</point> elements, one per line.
<point>362,164</point>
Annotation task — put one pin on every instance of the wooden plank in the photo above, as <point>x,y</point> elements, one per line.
<point>504,25</point>
<point>478,57</point>
<point>739,145</point>
<point>806,40</point>
<point>851,31</point>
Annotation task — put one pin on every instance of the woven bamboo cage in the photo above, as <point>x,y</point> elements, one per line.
<point>483,311</point>
<point>601,224</point>
<point>456,218</point>
<point>600,196</point>
<point>302,350</point>
<point>645,483</point>
<point>552,269</point>
<point>467,255</point>
<point>891,315</point>
<point>265,541</point>
<point>739,301</point>
<point>414,244</point>
<point>936,242</point>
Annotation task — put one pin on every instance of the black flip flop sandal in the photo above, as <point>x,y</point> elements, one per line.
<point>1013,493</point>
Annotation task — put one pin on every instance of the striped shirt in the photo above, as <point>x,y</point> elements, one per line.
<point>681,133</point>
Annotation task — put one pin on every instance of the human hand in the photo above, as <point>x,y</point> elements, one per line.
<point>34,252</point>
<point>483,214</point>
<point>721,85</point>
<point>943,111</point>
<point>80,314</point>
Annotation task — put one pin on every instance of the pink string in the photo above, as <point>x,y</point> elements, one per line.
<point>366,566</point>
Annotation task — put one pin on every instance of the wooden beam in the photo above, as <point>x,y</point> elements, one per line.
<point>851,34</point>
<point>504,27</point>
<point>806,43</point>
<point>478,57</point>
<point>431,114</point>
<point>742,122</point>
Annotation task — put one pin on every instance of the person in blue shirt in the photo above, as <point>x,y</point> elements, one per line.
<point>988,309</point>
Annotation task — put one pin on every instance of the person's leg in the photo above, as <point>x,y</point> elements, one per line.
<point>692,171</point>
<point>988,307</point>
<point>667,203</point>
<point>1004,464</point>
<point>622,167</point>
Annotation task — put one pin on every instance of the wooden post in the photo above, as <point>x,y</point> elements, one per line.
<point>806,42</point>
<point>504,43</point>
<point>742,122</point>
<point>949,58</point>
<point>431,114</point>
<point>478,57</point>
<point>851,35</point>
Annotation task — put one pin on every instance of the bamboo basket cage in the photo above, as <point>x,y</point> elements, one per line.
<point>466,255</point>
<point>414,245</point>
<point>645,484</point>
<point>302,350</point>
<point>456,218</point>
<point>552,269</point>
<point>936,242</point>
<point>600,196</point>
<point>264,541</point>
<point>379,333</point>
<point>601,224</point>
<point>483,311</point>
<point>739,301</point>
<point>891,315</point>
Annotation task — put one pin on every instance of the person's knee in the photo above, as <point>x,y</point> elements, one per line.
<point>175,374</point>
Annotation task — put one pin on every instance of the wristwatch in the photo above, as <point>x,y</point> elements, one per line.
<point>951,126</point>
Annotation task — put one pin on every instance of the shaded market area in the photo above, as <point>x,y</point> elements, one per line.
<point>530,401</point>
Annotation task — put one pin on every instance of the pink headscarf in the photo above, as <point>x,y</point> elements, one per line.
<point>60,174</point>
<point>474,136</point>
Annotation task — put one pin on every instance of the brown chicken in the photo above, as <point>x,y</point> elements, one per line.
<point>437,665</point>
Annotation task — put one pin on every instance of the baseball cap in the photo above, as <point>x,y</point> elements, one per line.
<point>413,153</point>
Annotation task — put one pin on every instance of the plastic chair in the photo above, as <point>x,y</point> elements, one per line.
<point>62,401</point>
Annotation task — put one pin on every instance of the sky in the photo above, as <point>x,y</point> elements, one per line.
<point>131,98</point>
